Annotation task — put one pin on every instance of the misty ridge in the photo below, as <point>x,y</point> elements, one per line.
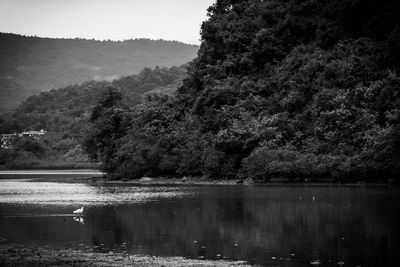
<point>30,65</point>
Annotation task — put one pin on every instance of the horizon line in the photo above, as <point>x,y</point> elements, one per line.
<point>97,40</point>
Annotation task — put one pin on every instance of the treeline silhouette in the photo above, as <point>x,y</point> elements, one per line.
<point>296,89</point>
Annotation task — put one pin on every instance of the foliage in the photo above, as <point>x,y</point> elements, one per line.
<point>291,89</point>
<point>49,151</point>
<point>265,163</point>
<point>65,112</point>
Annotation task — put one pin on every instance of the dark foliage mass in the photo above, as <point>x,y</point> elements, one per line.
<point>64,113</point>
<point>292,89</point>
<point>30,65</point>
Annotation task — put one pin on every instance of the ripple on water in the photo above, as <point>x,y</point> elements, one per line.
<point>49,193</point>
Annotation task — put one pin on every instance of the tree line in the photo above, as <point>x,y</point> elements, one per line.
<point>292,89</point>
<point>64,113</point>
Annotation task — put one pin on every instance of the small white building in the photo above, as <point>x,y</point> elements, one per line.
<point>34,134</point>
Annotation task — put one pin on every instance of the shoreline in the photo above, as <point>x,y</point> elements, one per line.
<point>202,181</point>
<point>51,171</point>
<point>51,167</point>
<point>235,183</point>
<point>94,176</point>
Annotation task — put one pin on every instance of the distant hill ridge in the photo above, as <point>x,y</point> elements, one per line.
<point>64,116</point>
<point>30,65</point>
<point>67,109</point>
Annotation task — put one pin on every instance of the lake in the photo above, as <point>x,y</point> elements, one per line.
<point>270,226</point>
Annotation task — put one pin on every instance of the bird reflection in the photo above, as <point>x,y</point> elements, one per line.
<point>79,220</point>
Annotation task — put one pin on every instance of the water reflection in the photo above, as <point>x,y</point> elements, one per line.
<point>78,219</point>
<point>61,194</point>
<point>269,226</point>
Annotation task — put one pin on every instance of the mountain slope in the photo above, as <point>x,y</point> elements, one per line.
<point>292,89</point>
<point>58,110</point>
<point>30,65</point>
<point>64,113</point>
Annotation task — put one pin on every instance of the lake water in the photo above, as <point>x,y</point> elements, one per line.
<point>270,226</point>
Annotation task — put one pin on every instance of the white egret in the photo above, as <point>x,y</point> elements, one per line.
<point>78,211</point>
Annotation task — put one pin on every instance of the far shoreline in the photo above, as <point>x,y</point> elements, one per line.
<point>196,181</point>
<point>72,166</point>
<point>95,176</point>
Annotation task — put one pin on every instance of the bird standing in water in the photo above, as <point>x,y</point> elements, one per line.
<point>78,211</point>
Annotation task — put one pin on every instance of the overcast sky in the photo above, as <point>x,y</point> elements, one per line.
<point>105,19</point>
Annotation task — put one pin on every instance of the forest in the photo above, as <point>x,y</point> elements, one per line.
<point>296,89</point>
<point>64,114</point>
<point>30,65</point>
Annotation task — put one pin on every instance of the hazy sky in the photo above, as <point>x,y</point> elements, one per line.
<point>105,19</point>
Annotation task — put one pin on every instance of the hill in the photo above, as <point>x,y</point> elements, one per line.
<point>30,65</point>
<point>283,89</point>
<point>64,113</point>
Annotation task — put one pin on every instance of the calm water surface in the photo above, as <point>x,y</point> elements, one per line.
<point>279,226</point>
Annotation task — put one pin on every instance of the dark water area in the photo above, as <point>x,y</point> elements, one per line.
<point>270,226</point>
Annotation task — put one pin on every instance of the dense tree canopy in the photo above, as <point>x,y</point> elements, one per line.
<point>64,113</point>
<point>294,89</point>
